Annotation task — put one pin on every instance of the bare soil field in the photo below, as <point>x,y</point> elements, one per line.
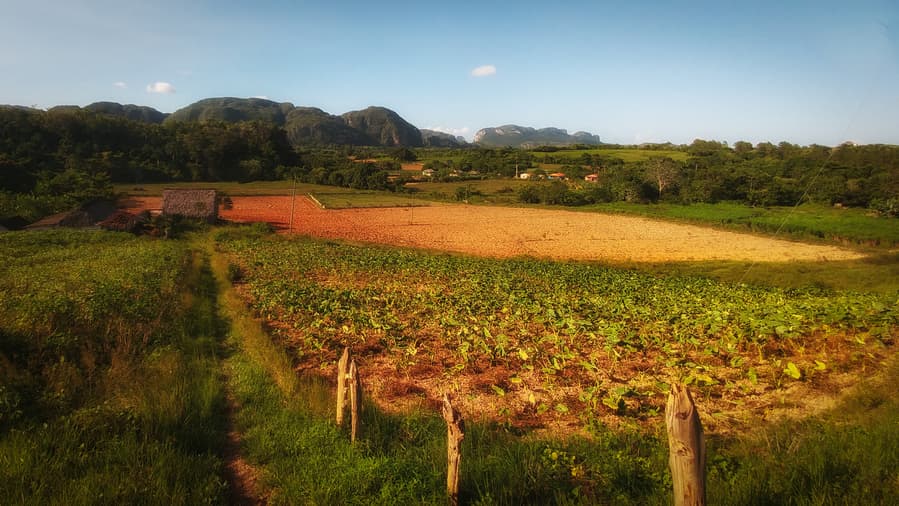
<point>509,232</point>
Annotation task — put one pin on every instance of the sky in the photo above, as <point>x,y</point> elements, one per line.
<point>629,71</point>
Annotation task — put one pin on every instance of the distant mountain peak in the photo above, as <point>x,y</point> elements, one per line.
<point>438,139</point>
<point>526,137</point>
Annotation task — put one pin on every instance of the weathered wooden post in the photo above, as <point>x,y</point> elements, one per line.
<point>355,400</point>
<point>454,436</point>
<point>341,384</point>
<point>686,444</point>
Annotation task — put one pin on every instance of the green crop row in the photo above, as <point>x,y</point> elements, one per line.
<point>552,324</point>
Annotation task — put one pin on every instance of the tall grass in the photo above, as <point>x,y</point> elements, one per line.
<point>117,399</point>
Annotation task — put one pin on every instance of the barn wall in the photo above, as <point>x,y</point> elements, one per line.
<point>199,204</point>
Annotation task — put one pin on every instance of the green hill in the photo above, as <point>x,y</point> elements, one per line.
<point>129,111</point>
<point>384,126</point>
<point>309,126</point>
<point>527,137</point>
<point>232,110</point>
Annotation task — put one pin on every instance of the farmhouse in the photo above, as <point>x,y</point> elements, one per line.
<point>198,204</point>
<point>428,172</point>
<point>591,178</point>
<point>85,216</point>
<point>525,175</point>
<point>556,176</point>
<point>123,221</point>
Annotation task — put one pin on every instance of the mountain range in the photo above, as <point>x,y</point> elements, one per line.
<point>373,126</point>
<point>526,137</point>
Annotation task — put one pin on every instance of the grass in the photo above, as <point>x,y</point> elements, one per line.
<point>625,155</point>
<point>230,188</point>
<point>878,273</point>
<point>808,221</point>
<point>114,420</point>
<point>365,199</point>
<point>849,455</point>
<point>487,191</point>
<point>146,425</point>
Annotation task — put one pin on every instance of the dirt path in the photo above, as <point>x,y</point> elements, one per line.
<point>510,232</point>
<point>242,477</point>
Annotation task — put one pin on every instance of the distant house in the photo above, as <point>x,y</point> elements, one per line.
<point>13,223</point>
<point>197,204</point>
<point>428,172</point>
<point>556,176</point>
<point>591,178</point>
<point>86,216</point>
<point>123,221</point>
<point>525,175</point>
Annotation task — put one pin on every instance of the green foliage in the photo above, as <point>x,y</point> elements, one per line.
<point>808,221</point>
<point>37,146</point>
<point>555,322</point>
<point>307,460</point>
<point>109,384</point>
<point>709,172</point>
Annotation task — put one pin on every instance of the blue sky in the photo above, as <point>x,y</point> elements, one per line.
<point>805,72</point>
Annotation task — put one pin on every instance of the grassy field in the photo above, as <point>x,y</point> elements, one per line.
<point>345,200</point>
<point>808,221</point>
<point>625,155</point>
<point>231,188</point>
<point>109,388</point>
<point>487,191</point>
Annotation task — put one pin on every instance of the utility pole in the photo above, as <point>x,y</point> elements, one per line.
<point>293,198</point>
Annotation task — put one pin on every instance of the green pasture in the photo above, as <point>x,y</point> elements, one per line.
<point>625,155</point>
<point>229,188</point>
<point>365,198</point>
<point>807,221</point>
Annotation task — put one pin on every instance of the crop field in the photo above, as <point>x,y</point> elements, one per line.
<point>510,232</point>
<point>132,370</point>
<point>533,342</point>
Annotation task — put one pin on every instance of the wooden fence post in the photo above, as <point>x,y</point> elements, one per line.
<point>355,400</point>
<point>686,444</point>
<point>454,436</point>
<point>341,384</point>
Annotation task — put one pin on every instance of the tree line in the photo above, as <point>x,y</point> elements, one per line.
<point>760,175</point>
<point>56,159</point>
<point>51,161</point>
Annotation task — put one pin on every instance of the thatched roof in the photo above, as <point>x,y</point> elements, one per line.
<point>85,216</point>
<point>123,221</point>
<point>75,219</point>
<point>200,204</point>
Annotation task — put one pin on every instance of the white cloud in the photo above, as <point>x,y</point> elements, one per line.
<point>484,70</point>
<point>264,97</point>
<point>120,84</point>
<point>160,87</point>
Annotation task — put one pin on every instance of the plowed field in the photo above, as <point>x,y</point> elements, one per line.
<point>509,232</point>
